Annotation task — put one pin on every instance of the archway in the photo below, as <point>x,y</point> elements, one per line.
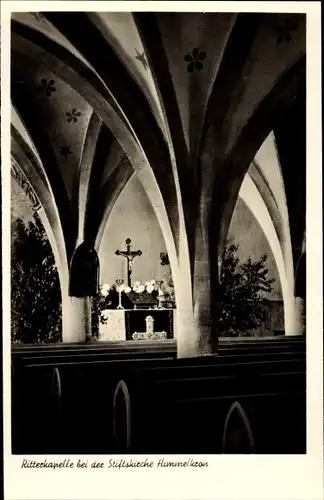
<point>228,181</point>
<point>132,217</point>
<point>97,96</point>
<point>220,154</point>
<point>251,196</point>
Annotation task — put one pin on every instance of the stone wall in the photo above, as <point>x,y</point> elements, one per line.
<point>132,217</point>
<point>275,319</point>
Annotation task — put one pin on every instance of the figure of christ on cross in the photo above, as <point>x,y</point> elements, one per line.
<point>130,256</point>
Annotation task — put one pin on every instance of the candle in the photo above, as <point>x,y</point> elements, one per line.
<point>121,267</point>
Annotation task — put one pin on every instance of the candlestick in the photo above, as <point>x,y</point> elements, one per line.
<point>119,282</point>
<point>160,294</point>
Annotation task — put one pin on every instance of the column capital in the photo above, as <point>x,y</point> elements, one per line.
<point>84,271</point>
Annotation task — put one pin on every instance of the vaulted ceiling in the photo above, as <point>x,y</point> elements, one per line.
<point>96,95</point>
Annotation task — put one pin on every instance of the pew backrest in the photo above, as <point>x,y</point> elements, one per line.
<point>237,434</point>
<point>121,418</point>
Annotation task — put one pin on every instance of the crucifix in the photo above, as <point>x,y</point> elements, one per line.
<point>130,256</point>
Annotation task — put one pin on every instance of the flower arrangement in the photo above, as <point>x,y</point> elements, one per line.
<point>105,289</point>
<point>109,295</point>
<point>150,287</point>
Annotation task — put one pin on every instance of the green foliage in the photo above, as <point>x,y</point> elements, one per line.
<point>96,308</point>
<point>100,303</point>
<point>35,287</point>
<point>168,286</point>
<point>36,296</point>
<point>241,291</point>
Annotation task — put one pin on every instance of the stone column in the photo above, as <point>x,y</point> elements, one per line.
<point>186,335</point>
<point>300,312</point>
<point>76,304</point>
<point>76,321</point>
<point>202,307</point>
<point>202,282</point>
<point>204,278</point>
<point>300,294</point>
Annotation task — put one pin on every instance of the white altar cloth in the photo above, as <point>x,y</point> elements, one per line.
<point>116,328</point>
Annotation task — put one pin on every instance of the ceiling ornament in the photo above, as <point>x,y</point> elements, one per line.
<point>194,60</point>
<point>141,58</point>
<point>47,87</point>
<point>65,151</point>
<point>72,116</point>
<point>285,31</point>
<point>24,183</point>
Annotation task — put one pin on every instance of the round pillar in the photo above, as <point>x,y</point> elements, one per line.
<point>300,295</point>
<point>202,307</point>
<point>185,328</point>
<point>186,334</point>
<point>203,342</point>
<point>84,284</point>
<point>76,319</point>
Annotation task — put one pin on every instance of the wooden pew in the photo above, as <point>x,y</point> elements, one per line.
<point>84,398</point>
<point>57,353</point>
<point>164,397</point>
<point>121,434</point>
<point>80,415</point>
<point>256,349</point>
<point>255,345</point>
<point>238,436</point>
<point>196,425</point>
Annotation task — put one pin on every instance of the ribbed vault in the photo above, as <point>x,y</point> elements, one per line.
<point>184,100</point>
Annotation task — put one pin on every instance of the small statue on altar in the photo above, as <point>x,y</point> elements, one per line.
<point>149,320</point>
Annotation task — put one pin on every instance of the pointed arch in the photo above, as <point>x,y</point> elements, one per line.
<point>253,199</point>
<point>229,178</point>
<point>122,418</point>
<point>83,179</point>
<point>129,99</point>
<point>48,213</point>
<point>100,100</point>
<point>149,164</point>
<point>236,410</point>
<point>109,194</point>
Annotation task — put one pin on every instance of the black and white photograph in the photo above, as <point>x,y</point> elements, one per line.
<point>158,234</point>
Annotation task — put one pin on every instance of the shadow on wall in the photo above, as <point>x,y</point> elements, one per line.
<point>275,320</point>
<point>247,233</point>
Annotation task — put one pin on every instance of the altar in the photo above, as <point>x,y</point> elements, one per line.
<point>139,311</point>
<point>137,324</point>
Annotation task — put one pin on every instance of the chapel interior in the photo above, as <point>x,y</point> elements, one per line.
<point>146,143</point>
